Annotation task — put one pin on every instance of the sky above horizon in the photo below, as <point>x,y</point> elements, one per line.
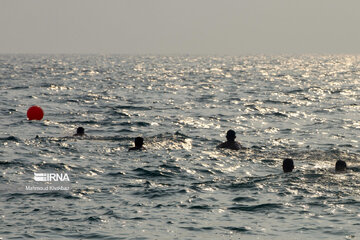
<point>235,27</point>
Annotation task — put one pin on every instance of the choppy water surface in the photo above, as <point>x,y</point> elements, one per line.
<point>181,187</point>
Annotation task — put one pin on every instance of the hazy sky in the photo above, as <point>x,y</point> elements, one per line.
<point>235,27</point>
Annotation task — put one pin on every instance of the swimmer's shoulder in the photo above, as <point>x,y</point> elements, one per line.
<point>232,146</point>
<point>136,149</point>
<point>79,135</point>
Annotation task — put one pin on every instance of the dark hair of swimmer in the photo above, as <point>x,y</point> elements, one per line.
<point>340,165</point>
<point>288,165</point>
<point>80,131</point>
<point>139,142</point>
<point>230,135</point>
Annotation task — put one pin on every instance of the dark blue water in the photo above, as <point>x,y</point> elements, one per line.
<point>181,187</point>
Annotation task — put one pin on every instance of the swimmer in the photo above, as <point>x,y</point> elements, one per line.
<point>139,142</point>
<point>340,166</point>
<point>80,132</point>
<point>231,143</point>
<point>288,165</point>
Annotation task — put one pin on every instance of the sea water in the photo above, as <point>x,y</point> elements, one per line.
<point>181,187</point>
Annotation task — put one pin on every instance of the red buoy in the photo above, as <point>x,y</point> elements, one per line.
<point>35,113</point>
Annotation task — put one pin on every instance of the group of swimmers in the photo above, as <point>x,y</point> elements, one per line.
<point>139,141</point>
<point>288,163</point>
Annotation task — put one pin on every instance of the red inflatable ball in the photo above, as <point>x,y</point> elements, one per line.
<point>35,113</point>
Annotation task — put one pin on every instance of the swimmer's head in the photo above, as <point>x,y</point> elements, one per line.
<point>139,141</point>
<point>230,135</point>
<point>80,131</point>
<point>288,165</point>
<point>340,166</point>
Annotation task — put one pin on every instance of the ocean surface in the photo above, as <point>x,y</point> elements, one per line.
<point>181,187</point>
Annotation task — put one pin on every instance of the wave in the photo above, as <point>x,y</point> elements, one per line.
<point>257,208</point>
<point>141,172</point>
<point>10,139</point>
